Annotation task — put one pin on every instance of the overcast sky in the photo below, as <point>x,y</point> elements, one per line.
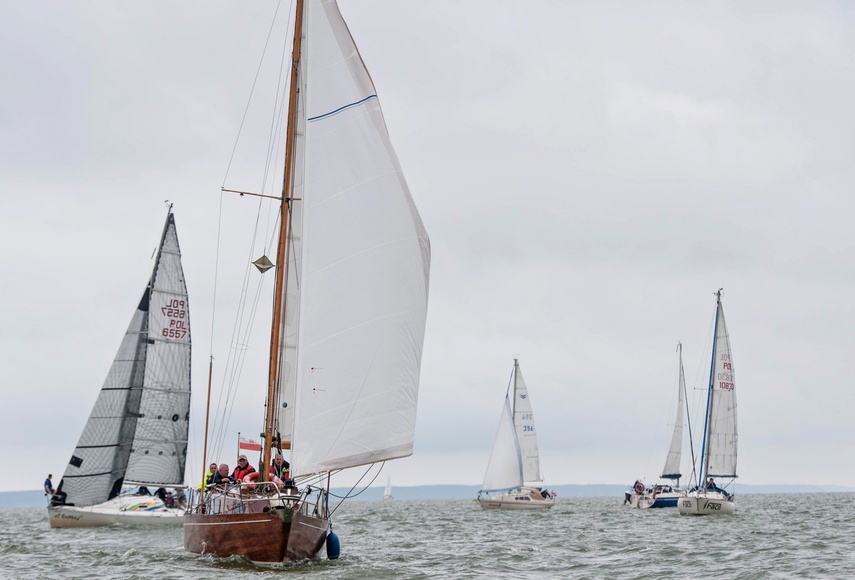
<point>590,173</point>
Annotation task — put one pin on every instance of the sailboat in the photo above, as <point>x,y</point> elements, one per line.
<point>345,351</point>
<point>718,453</point>
<point>387,493</point>
<point>515,460</point>
<point>136,435</point>
<point>662,495</point>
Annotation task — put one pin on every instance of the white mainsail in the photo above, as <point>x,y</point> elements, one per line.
<point>137,430</point>
<point>721,435</point>
<point>675,452</point>
<point>526,434</point>
<point>504,470</point>
<point>362,268</point>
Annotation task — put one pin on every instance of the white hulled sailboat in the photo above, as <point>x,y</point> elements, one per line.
<point>136,435</point>
<point>666,494</point>
<point>718,453</point>
<point>515,460</point>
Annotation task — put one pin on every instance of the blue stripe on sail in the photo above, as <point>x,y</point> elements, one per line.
<point>340,109</point>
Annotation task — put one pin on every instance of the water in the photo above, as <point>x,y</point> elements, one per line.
<point>771,536</point>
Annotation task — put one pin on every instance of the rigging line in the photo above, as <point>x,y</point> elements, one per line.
<point>229,376</point>
<point>241,358</point>
<point>251,92</point>
<point>274,139</point>
<point>271,230</point>
<point>347,495</point>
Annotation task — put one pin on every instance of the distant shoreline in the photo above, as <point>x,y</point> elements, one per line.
<point>36,498</point>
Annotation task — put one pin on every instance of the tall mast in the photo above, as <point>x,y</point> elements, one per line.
<point>285,210</point>
<point>688,413</point>
<point>514,406</point>
<point>705,460</point>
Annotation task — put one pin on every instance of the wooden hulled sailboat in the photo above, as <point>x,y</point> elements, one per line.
<point>135,441</point>
<point>515,459</point>
<point>353,261</point>
<point>718,453</point>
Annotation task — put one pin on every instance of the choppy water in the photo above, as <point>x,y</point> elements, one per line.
<point>771,536</point>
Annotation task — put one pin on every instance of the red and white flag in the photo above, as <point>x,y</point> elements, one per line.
<point>249,444</point>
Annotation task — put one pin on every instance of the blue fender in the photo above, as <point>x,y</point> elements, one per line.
<point>333,546</point>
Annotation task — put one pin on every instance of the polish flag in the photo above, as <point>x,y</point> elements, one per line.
<point>249,444</point>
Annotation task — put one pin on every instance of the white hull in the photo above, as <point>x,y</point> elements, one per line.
<point>521,500</point>
<point>709,504</point>
<point>127,510</point>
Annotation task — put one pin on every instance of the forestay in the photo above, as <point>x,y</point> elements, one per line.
<point>137,430</point>
<point>363,266</point>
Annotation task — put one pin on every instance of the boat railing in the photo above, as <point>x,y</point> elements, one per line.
<point>259,498</point>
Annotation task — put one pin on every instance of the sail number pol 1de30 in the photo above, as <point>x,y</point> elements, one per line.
<point>176,313</point>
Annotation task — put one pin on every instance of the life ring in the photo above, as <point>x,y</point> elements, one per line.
<point>251,478</point>
<point>639,487</point>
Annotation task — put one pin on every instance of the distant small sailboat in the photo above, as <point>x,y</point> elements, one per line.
<point>666,494</point>
<point>136,434</point>
<point>515,459</point>
<point>718,454</point>
<point>387,494</point>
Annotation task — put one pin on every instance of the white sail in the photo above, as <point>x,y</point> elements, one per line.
<point>137,430</point>
<point>721,429</point>
<point>364,266</point>
<point>526,433</point>
<point>293,289</point>
<point>672,462</point>
<point>504,470</point>
<point>387,493</point>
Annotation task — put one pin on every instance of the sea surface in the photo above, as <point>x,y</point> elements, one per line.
<point>771,536</point>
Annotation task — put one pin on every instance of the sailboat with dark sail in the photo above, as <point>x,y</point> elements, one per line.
<point>134,445</point>
<point>348,313</point>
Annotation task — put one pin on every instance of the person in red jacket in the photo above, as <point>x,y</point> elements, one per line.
<point>243,469</point>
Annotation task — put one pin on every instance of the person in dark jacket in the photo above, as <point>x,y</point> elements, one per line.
<point>280,468</point>
<point>222,476</point>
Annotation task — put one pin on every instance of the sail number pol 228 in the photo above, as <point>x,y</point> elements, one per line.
<point>176,312</point>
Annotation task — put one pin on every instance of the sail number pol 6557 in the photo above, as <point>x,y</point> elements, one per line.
<point>176,312</point>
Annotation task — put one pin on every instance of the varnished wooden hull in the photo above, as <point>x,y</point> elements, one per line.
<point>259,537</point>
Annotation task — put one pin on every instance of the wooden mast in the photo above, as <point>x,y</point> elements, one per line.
<point>281,254</point>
